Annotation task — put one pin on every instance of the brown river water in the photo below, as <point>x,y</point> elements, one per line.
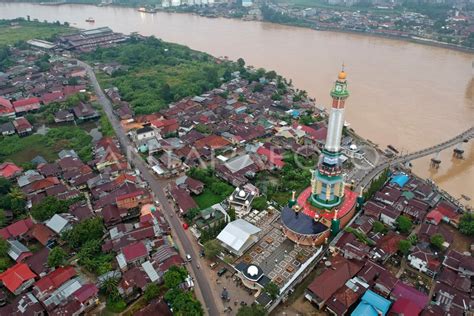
<point>404,94</point>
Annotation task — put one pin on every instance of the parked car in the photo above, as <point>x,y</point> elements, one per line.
<point>213,265</point>
<point>188,257</point>
<point>221,272</point>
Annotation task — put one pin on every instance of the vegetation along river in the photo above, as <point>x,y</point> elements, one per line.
<point>404,94</point>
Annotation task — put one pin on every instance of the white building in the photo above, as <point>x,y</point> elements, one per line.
<point>238,236</point>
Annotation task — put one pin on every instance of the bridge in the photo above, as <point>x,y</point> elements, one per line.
<point>375,171</point>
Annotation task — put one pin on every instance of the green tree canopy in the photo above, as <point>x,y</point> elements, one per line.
<point>379,227</point>
<point>90,229</point>
<point>272,290</point>
<point>466,225</point>
<point>4,246</point>
<point>404,246</point>
<point>437,241</point>
<point>174,276</point>
<point>212,248</point>
<point>57,257</point>
<point>404,224</point>
<point>152,291</point>
<point>48,207</point>
<point>260,203</point>
<point>185,304</point>
<point>252,310</point>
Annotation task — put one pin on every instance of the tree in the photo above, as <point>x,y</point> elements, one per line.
<point>404,224</point>
<point>241,62</point>
<point>57,257</point>
<point>232,214</point>
<point>4,246</point>
<point>5,185</point>
<point>272,290</point>
<point>260,203</point>
<point>90,229</point>
<point>253,310</point>
<point>271,75</point>
<point>185,304</point>
<point>437,241</point>
<point>109,285</point>
<point>404,246</point>
<point>174,276</point>
<point>2,218</point>
<point>48,207</point>
<point>151,292</point>
<point>379,227</point>
<point>466,225</point>
<point>212,248</point>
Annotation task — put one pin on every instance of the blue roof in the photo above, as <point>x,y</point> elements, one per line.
<point>401,179</point>
<point>372,304</point>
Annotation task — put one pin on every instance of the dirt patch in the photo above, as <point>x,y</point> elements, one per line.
<point>461,242</point>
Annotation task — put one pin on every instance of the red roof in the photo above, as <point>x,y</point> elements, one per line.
<point>26,102</point>
<point>130,195</point>
<point>272,157</point>
<point>21,124</point>
<point>447,210</point>
<point>15,276</point>
<point>163,123</point>
<point>316,134</point>
<point>86,292</point>
<point>6,107</point>
<point>55,279</point>
<point>9,170</point>
<point>53,96</point>
<point>435,217</point>
<point>405,307</point>
<point>212,141</point>
<point>134,251</point>
<point>16,229</point>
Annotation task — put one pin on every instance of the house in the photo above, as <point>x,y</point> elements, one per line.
<point>193,185</point>
<point>87,296</point>
<point>46,287</point>
<point>23,305</point>
<point>460,263</point>
<point>17,278</point>
<point>7,129</point>
<point>445,212</point>
<point>424,261</point>
<point>133,199</point>
<point>132,255</point>
<point>132,280</point>
<point>333,278</point>
<point>22,126</point>
<point>404,307</point>
<point>18,251</point>
<point>38,262</point>
<point>183,200</point>
<point>63,116</point>
<point>451,300</point>
<point>372,304</point>
<point>241,200</point>
<point>382,281</point>
<point>212,142</point>
<point>273,159</point>
<point>16,230</point>
<point>55,96</point>
<point>27,105</point>
<point>346,296</point>
<point>155,307</point>
<point>60,223</point>
<point>403,290</point>
<point>6,108</point>
<point>85,112</point>
<point>238,236</point>
<point>9,170</point>
<point>42,234</point>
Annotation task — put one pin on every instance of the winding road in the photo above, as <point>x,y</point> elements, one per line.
<point>157,187</point>
<point>372,173</point>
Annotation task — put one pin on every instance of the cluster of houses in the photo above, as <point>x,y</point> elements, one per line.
<point>27,87</point>
<point>358,280</point>
<point>238,129</point>
<point>135,231</point>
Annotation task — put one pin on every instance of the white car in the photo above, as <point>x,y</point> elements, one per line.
<point>188,257</point>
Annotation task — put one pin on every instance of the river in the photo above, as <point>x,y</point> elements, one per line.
<point>404,94</point>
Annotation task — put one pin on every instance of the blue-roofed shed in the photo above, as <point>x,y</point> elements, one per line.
<point>372,304</point>
<point>400,179</point>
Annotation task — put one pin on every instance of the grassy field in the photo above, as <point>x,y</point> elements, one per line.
<point>22,149</point>
<point>28,30</point>
<point>207,198</point>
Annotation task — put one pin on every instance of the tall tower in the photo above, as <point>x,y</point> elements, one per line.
<point>327,183</point>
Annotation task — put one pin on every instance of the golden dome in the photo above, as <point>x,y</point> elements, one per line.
<point>342,75</point>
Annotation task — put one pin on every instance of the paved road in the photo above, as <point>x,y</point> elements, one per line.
<point>372,173</point>
<point>157,188</point>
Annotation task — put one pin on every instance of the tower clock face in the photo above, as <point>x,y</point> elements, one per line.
<point>338,88</point>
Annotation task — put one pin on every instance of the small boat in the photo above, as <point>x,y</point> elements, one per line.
<point>147,10</point>
<point>90,20</point>
<point>393,149</point>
